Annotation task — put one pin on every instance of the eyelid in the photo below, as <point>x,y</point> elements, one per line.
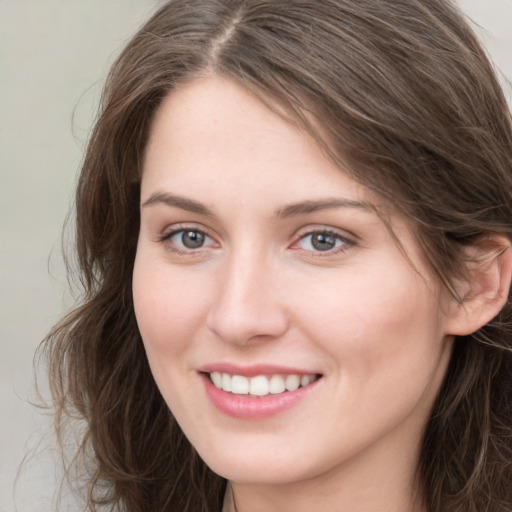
<point>181,226</point>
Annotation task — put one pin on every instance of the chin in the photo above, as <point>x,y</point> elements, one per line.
<point>245,472</point>
<point>263,465</point>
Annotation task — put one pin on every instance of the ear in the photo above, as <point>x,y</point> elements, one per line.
<point>485,290</point>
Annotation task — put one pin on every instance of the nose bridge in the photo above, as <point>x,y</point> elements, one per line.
<point>247,304</point>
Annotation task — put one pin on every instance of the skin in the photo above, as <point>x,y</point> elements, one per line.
<point>257,291</point>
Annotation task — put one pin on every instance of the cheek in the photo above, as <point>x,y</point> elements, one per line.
<point>386,351</point>
<point>380,324</point>
<point>168,306</point>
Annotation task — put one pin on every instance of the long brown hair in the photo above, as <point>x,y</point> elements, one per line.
<point>405,95</point>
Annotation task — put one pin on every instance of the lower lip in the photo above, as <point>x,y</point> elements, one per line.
<point>254,408</point>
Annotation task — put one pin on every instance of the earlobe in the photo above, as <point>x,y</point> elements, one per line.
<point>486,289</point>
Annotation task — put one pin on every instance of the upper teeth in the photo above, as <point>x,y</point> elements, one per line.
<point>260,385</point>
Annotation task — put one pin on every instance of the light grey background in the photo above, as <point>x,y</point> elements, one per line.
<point>53,57</point>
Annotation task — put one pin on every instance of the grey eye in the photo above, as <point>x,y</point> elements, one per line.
<point>187,240</point>
<point>191,239</point>
<point>322,241</point>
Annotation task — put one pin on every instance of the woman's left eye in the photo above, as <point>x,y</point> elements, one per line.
<point>186,240</point>
<point>323,241</point>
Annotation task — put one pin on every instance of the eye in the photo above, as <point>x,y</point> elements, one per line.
<point>323,241</point>
<point>186,240</point>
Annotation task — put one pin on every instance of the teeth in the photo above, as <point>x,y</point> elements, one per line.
<point>261,385</point>
<point>292,382</point>
<point>276,384</point>
<point>306,379</point>
<point>239,384</point>
<point>216,379</point>
<point>226,382</point>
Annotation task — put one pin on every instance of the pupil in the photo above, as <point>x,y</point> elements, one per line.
<point>323,242</point>
<point>192,239</point>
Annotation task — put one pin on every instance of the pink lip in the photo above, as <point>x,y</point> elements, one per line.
<point>253,370</point>
<point>254,408</point>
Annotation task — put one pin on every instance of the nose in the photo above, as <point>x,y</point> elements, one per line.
<point>248,307</point>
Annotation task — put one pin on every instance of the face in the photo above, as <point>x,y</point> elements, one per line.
<point>285,329</point>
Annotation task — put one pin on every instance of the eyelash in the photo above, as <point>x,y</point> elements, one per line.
<point>342,243</point>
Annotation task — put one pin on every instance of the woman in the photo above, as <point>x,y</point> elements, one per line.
<point>293,231</point>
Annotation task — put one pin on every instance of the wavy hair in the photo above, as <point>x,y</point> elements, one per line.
<point>404,94</point>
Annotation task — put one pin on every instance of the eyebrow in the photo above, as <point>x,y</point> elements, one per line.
<point>305,207</point>
<point>178,201</point>
<point>291,210</point>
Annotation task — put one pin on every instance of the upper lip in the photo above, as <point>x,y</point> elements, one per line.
<point>255,369</point>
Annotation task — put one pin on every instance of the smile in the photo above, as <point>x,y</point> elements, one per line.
<point>260,385</point>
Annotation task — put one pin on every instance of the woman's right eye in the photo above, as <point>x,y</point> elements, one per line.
<point>186,240</point>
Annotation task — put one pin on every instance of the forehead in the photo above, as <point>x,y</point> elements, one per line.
<point>212,129</point>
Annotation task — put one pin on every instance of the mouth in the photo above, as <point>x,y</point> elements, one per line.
<point>260,385</point>
<point>257,392</point>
